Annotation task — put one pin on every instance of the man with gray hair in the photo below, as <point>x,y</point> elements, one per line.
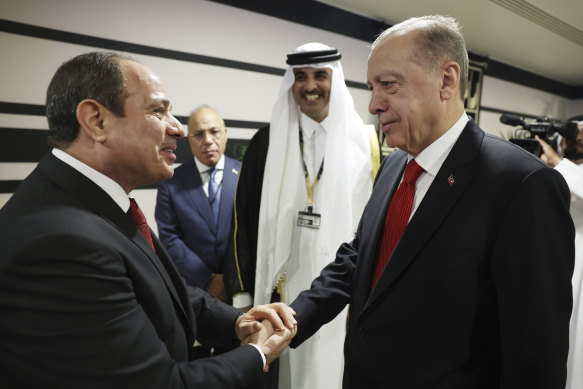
<point>304,183</point>
<point>451,280</point>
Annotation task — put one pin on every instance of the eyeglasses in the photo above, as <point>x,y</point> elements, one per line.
<point>201,134</point>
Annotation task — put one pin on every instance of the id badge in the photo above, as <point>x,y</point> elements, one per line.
<point>308,219</point>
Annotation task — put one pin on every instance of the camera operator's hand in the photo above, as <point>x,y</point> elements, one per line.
<point>549,155</point>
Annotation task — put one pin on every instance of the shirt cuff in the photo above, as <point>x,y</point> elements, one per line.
<point>260,352</point>
<point>242,300</point>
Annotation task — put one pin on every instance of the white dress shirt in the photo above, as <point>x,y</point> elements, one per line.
<point>432,157</point>
<point>314,134</point>
<point>205,177</point>
<point>109,186</point>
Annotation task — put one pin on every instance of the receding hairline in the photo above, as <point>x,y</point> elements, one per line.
<point>206,107</point>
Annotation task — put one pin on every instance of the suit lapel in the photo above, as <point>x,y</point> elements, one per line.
<point>190,182</point>
<point>94,198</point>
<point>386,185</point>
<point>436,205</point>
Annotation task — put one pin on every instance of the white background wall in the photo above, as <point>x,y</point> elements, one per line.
<point>206,28</point>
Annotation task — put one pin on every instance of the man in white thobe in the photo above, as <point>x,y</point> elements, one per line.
<point>303,185</point>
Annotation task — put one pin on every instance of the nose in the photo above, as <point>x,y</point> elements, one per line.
<point>310,84</point>
<point>376,105</point>
<point>174,127</point>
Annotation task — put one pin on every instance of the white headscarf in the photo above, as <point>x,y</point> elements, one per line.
<point>345,183</point>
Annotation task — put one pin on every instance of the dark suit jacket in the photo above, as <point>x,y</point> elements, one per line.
<point>86,303</point>
<point>477,293</point>
<point>185,221</point>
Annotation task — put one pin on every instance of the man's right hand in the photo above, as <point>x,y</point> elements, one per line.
<point>276,343</point>
<point>257,326</point>
<point>272,342</point>
<point>216,287</point>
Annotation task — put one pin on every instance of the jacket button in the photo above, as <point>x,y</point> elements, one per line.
<point>361,333</point>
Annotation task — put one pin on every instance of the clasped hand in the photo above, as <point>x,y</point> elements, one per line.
<point>270,326</point>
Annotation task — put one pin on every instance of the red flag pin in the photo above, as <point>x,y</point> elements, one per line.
<point>450,180</point>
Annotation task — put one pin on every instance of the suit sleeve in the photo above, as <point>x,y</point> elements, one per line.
<point>83,326</point>
<point>190,265</point>
<point>532,265</point>
<point>328,294</point>
<point>331,291</point>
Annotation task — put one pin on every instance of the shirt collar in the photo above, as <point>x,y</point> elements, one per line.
<point>203,168</point>
<point>309,125</point>
<point>109,186</point>
<point>433,156</point>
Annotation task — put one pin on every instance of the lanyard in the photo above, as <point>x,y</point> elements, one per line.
<point>310,187</point>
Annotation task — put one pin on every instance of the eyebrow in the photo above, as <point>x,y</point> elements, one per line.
<point>156,101</point>
<point>208,129</point>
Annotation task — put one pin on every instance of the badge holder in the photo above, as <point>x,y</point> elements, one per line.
<point>308,218</point>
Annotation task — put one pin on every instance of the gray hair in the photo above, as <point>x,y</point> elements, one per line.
<point>439,39</point>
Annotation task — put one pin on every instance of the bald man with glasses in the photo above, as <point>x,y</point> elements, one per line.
<point>194,208</point>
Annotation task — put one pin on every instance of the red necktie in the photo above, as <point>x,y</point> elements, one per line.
<point>140,221</point>
<point>397,216</point>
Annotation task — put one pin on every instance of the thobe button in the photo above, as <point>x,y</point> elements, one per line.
<point>361,332</point>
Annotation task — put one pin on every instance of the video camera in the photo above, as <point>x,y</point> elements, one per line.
<point>547,129</point>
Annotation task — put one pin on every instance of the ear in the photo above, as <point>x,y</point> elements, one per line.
<point>450,80</point>
<point>90,115</point>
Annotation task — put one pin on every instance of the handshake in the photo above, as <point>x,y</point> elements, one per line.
<point>271,327</point>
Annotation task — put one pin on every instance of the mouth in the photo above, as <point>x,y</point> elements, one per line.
<point>211,152</point>
<point>311,96</point>
<point>386,125</point>
<point>168,152</point>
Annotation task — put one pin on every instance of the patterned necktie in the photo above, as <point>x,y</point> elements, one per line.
<point>140,221</point>
<point>214,194</point>
<point>397,216</point>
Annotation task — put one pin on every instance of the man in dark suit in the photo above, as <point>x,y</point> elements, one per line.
<point>194,207</point>
<point>476,292</point>
<point>89,298</point>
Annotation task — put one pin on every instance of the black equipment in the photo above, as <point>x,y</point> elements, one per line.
<point>547,129</point>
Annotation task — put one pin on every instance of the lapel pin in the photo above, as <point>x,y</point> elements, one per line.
<point>235,171</point>
<point>450,180</point>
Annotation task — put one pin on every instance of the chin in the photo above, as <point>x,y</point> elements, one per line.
<point>211,162</point>
<point>168,173</point>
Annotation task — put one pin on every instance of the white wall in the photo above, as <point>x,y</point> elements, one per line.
<point>206,28</point>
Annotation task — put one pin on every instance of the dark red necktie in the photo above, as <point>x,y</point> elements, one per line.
<point>397,216</point>
<point>140,221</point>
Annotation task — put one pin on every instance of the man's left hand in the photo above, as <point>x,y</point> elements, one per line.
<point>279,315</point>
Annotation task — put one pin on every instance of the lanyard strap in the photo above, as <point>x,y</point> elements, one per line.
<point>309,187</point>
